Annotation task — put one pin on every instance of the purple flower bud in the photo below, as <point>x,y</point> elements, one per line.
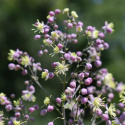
<point>84,91</point>
<point>32,88</point>
<point>75,41</point>
<point>17,67</point>
<point>80,23</point>
<point>70,121</point>
<point>121,105</point>
<point>57,11</point>
<point>118,111</point>
<point>45,51</point>
<point>99,83</point>
<point>88,66</point>
<point>36,107</point>
<point>12,96</point>
<point>67,56</point>
<point>80,122</point>
<point>73,84</point>
<point>50,108</point>
<point>31,109</point>
<point>51,13</point>
<point>24,72</point>
<point>43,112</point>
<point>108,122</point>
<point>8,107</point>
<point>51,19</point>
<point>50,123</point>
<point>60,46</point>
<point>98,41</point>
<point>88,81</point>
<point>46,36</point>
<point>69,25</point>
<point>26,82</point>
<point>55,26</point>
<point>98,63</point>
<point>101,35</point>
<point>51,75</point>
<point>84,100</point>
<point>98,112</point>
<point>40,53</point>
<point>73,36</point>
<point>106,45</point>
<point>32,119</point>
<point>54,64</point>
<point>68,36</point>
<point>81,75</point>
<point>105,117</point>
<point>11,66</point>
<point>26,116</point>
<point>17,114</point>
<point>46,30</point>
<point>58,100</point>
<point>37,37</point>
<point>86,74</point>
<point>109,30</point>
<point>122,118</point>
<point>111,95</point>
<point>10,123</point>
<point>90,28</point>
<point>79,53</point>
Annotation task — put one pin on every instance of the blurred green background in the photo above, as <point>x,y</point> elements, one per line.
<point>16,19</point>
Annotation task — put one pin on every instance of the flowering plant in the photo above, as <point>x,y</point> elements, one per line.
<point>85,89</point>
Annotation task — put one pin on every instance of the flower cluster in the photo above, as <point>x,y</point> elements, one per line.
<point>84,89</point>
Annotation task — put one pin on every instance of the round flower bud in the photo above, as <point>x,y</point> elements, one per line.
<point>60,46</point>
<point>50,123</point>
<point>45,51</point>
<point>75,41</point>
<point>99,83</point>
<point>46,36</point>
<point>17,67</point>
<point>108,122</point>
<point>43,112</point>
<point>26,116</point>
<point>84,100</point>
<point>73,84</point>
<point>73,36</point>
<point>10,123</point>
<point>58,100</point>
<point>57,11</point>
<point>56,27</point>
<point>11,66</point>
<point>37,37</point>
<point>32,119</point>
<point>79,122</point>
<point>67,56</point>
<point>40,53</point>
<point>111,95</point>
<point>122,118</point>
<point>70,121</point>
<point>121,105</point>
<point>98,63</point>
<point>51,75</point>
<point>106,45</point>
<point>24,72</point>
<point>88,81</point>
<point>51,19</point>
<point>86,74</point>
<point>101,35</point>
<point>50,108</point>
<point>54,64</point>
<point>12,96</point>
<point>80,23</point>
<point>17,114</point>
<point>105,117</point>
<point>46,30</point>
<point>69,25</point>
<point>84,91</point>
<point>88,66</point>
<point>51,13</point>
<point>98,112</point>
<point>79,53</point>
<point>8,107</point>
<point>98,41</point>
<point>31,109</point>
<point>26,82</point>
<point>36,107</point>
